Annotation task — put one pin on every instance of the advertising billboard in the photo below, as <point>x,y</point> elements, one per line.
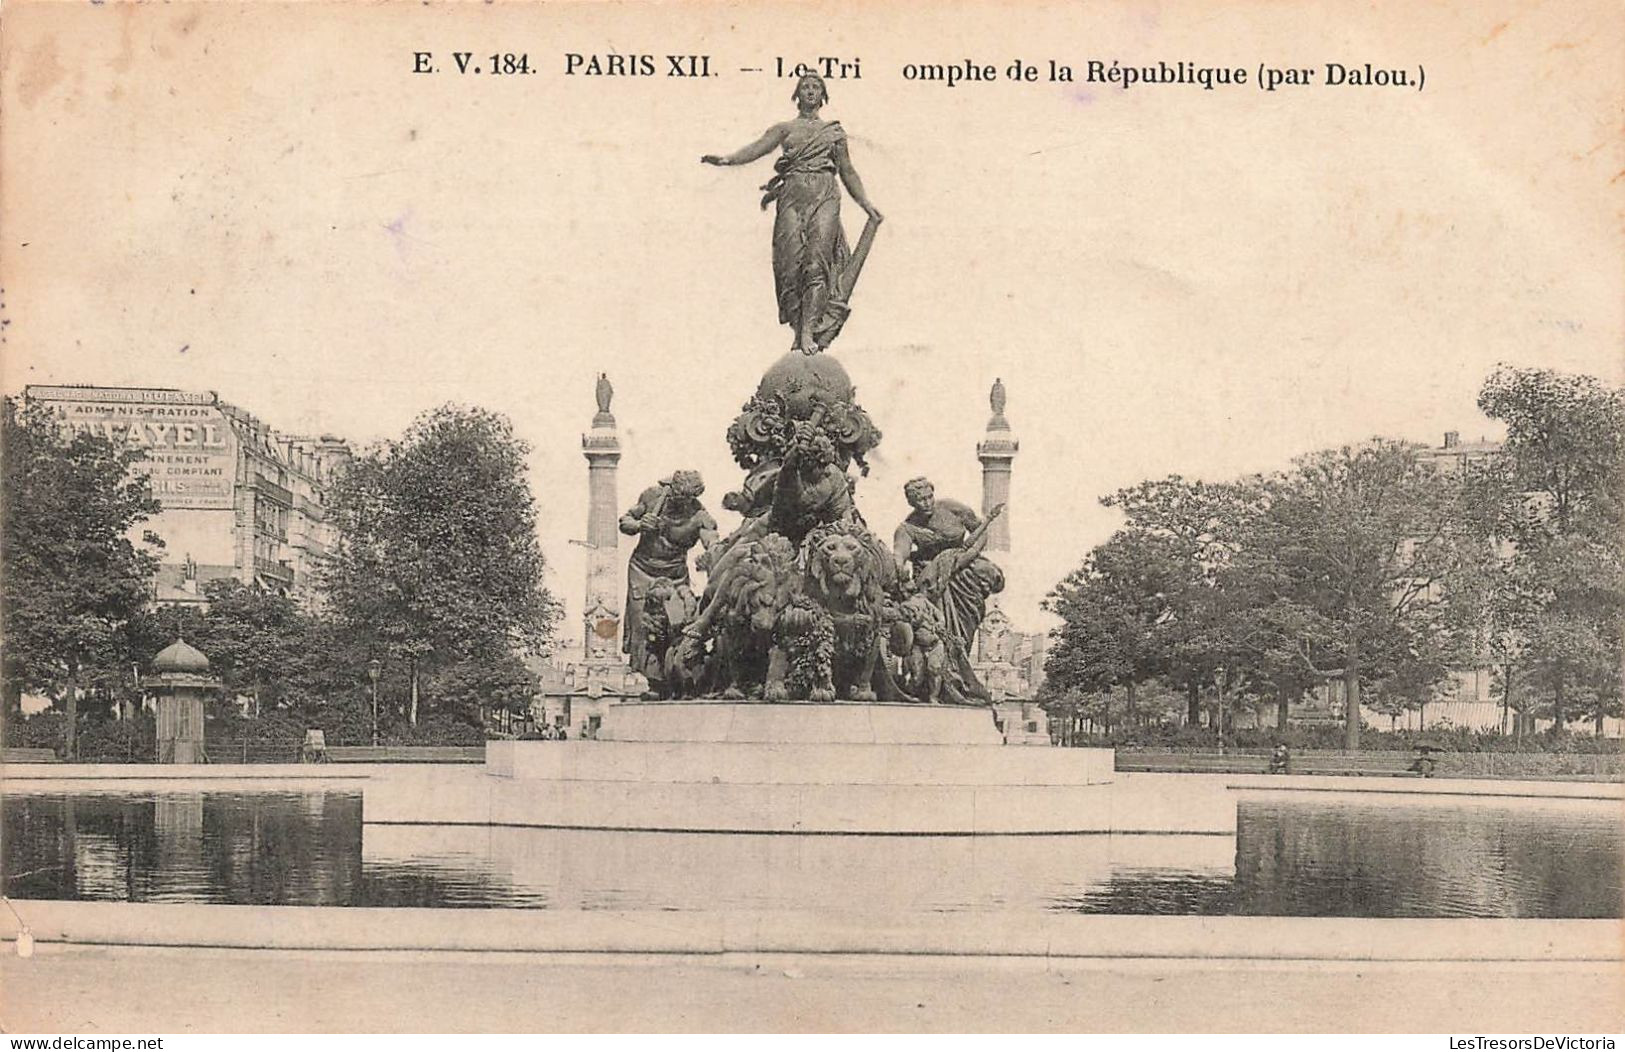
<point>188,448</point>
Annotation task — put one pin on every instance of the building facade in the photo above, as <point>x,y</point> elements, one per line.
<point>1454,455</point>
<point>239,500</point>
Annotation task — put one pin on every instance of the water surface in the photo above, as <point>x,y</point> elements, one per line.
<point>1326,857</point>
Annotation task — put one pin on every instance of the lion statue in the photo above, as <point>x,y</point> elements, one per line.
<point>848,575</point>
<point>807,624</point>
<point>742,619</point>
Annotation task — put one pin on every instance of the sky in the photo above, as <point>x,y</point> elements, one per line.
<point>265,201</point>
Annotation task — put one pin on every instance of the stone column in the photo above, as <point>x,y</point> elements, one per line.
<point>997,452</point>
<point>602,607</point>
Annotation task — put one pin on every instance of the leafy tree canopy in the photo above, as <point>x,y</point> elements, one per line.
<point>439,559</point>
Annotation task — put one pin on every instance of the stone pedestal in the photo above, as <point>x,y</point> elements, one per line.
<point>755,767</point>
<point>800,723</point>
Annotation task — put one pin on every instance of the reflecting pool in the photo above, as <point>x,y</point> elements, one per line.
<point>1334,856</point>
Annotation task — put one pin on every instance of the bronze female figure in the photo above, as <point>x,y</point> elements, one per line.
<point>813,269</point>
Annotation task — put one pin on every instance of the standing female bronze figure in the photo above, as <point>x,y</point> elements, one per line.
<point>813,270</point>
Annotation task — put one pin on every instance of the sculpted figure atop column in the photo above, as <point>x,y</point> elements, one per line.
<point>813,269</point>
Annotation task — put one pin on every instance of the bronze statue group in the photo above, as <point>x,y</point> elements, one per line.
<point>806,604</point>
<point>803,601</point>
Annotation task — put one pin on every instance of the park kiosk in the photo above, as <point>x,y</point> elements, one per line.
<point>179,683</point>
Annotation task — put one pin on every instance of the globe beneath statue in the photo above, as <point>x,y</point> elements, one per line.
<point>805,380</point>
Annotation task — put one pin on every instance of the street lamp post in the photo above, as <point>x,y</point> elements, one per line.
<point>374,667</point>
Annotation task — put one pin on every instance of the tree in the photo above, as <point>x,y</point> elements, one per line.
<point>1179,593</point>
<point>438,558</point>
<point>1200,527</point>
<point>1414,680</point>
<point>254,639</point>
<point>1110,608</point>
<point>74,580</point>
<point>1376,566</point>
<point>1572,656</point>
<point>1554,501</point>
<point>473,691</point>
<point>1565,444</point>
<point>1494,594</point>
<point>1064,709</point>
<point>1265,633</point>
<point>1362,542</point>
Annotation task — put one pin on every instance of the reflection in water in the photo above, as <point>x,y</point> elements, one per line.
<point>279,849</point>
<point>1397,859</point>
<point>601,870</point>
<point>271,848</point>
<point>1357,861</point>
<point>1325,858</point>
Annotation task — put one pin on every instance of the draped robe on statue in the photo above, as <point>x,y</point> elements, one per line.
<point>809,246</point>
<point>959,584</point>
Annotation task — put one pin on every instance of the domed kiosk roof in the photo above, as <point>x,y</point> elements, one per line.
<point>180,656</point>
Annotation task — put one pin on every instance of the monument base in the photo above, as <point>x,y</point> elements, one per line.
<point>800,722</point>
<point>844,768</point>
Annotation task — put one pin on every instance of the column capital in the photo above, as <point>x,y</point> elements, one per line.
<point>599,446</point>
<point>997,448</point>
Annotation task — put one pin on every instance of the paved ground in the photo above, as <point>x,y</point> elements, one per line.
<point>144,990</point>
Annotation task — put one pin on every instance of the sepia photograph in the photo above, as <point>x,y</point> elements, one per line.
<point>565,517</point>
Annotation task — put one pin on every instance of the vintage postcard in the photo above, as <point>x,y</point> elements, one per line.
<point>544,516</point>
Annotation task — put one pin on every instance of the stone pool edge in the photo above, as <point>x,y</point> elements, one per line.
<point>794,932</point>
<point>29,775</point>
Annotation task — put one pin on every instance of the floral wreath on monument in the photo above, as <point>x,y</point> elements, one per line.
<point>766,429</point>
